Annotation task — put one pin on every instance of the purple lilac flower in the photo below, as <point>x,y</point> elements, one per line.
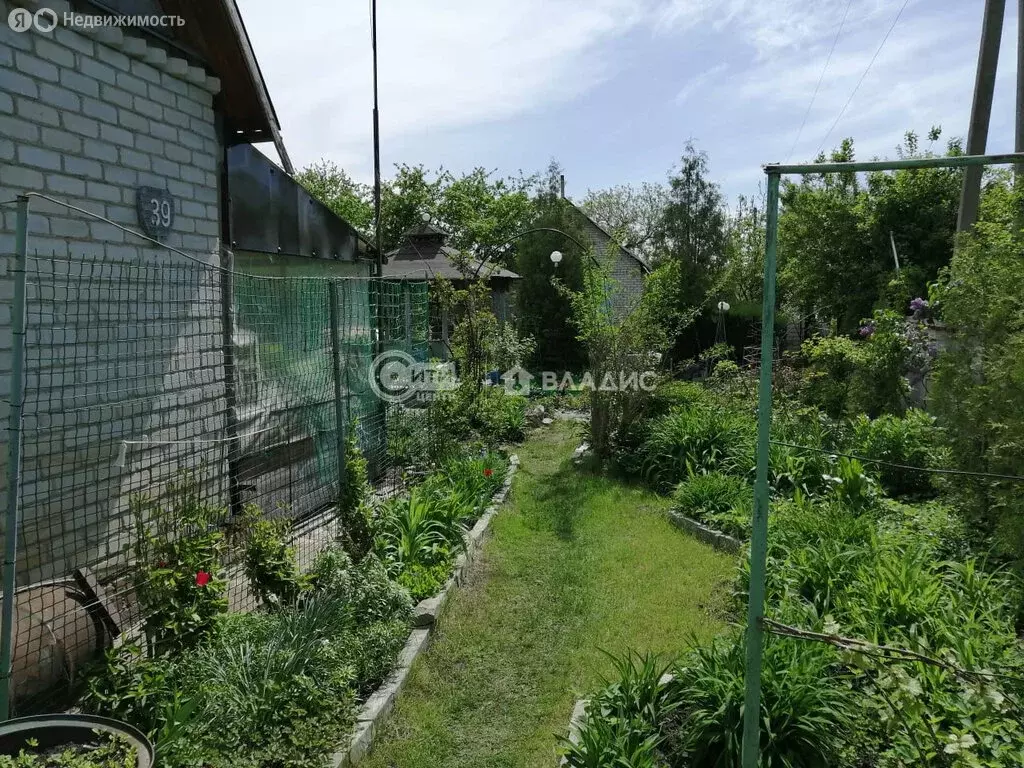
<point>918,304</point>
<point>867,330</point>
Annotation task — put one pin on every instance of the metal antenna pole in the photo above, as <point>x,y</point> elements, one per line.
<point>376,142</point>
<point>981,110</point>
<point>1018,142</point>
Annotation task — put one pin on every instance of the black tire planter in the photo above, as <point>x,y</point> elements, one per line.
<point>59,730</point>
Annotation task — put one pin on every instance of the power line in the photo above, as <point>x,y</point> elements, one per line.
<point>866,70</point>
<point>894,465</point>
<point>821,77</point>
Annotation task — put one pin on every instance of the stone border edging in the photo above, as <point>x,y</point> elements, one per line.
<point>710,536</point>
<point>378,707</point>
<point>579,715</point>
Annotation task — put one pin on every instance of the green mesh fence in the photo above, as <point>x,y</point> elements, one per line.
<point>137,379</point>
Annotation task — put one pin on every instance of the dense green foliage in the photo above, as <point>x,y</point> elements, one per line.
<point>177,552</point>
<point>834,226</point>
<point>278,687</point>
<point>106,751</point>
<point>979,378</point>
<point>845,561</point>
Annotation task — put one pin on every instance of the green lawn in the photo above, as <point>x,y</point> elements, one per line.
<point>575,563</point>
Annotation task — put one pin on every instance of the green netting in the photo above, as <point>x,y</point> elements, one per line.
<point>136,377</point>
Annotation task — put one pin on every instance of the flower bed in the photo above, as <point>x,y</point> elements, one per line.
<point>329,648</point>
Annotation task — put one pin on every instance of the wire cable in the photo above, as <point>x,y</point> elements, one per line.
<point>894,465</point>
<point>821,77</point>
<point>864,75</point>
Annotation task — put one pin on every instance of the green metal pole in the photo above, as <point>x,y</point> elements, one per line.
<point>339,409</point>
<point>759,536</point>
<point>18,320</point>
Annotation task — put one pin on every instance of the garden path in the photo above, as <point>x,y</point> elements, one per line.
<point>576,563</point>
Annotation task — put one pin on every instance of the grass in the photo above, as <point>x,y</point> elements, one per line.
<point>576,563</point>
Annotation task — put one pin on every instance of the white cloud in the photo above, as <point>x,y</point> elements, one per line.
<point>442,65</point>
<point>698,82</point>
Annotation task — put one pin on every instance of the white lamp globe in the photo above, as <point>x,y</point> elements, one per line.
<point>556,257</point>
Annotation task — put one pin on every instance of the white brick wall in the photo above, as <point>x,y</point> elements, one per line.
<point>115,352</point>
<point>626,270</point>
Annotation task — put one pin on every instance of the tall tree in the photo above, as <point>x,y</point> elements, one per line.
<point>836,235</point>
<point>542,311</point>
<point>693,230</point>
<point>633,214</point>
<point>337,190</point>
<point>743,276</point>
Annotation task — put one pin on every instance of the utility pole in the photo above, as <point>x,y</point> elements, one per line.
<point>981,108</point>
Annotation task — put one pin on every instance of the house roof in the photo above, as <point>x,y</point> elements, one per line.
<point>425,253</point>
<point>215,31</point>
<point>643,264</point>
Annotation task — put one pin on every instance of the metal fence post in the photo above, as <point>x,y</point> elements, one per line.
<point>18,321</point>
<point>339,408</point>
<point>227,318</point>
<point>759,536</point>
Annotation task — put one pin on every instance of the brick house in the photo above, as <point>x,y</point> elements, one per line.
<point>628,269</point>
<point>128,375</point>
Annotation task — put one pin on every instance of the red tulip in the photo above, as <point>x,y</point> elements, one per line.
<point>202,579</point>
<point>488,472</point>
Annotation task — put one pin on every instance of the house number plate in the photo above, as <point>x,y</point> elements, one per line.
<point>156,210</point>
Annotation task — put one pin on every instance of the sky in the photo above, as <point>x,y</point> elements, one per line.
<point>613,89</point>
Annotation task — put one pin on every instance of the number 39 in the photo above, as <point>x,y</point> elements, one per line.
<point>161,212</point>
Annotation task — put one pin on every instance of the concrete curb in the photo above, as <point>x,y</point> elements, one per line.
<point>377,709</point>
<point>579,715</point>
<point>710,536</point>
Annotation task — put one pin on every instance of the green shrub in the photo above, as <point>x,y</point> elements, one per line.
<point>889,351</point>
<point>623,722</point>
<point>283,697</point>
<point>177,552</point>
<point>850,485</point>
<point>498,417</point>
<point>352,498</point>
<point>722,501</point>
<point>131,687</point>
<point>268,560</point>
<point>807,711</point>
<point>831,362</point>
<point>423,581</point>
<point>910,440</point>
<point>413,530</point>
<point>694,441</point>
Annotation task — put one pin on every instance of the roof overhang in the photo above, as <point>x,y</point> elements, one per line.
<point>214,28</point>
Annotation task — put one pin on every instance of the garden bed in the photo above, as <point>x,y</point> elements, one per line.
<point>378,707</point>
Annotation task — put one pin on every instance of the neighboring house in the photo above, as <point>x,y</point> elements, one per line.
<point>628,269</point>
<point>425,254</point>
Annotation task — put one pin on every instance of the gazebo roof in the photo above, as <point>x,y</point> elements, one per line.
<point>424,253</point>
